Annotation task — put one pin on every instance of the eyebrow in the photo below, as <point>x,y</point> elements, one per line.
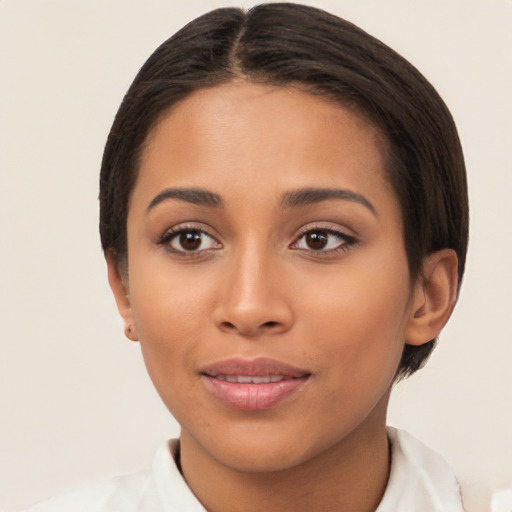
<point>308,196</point>
<point>195,196</point>
<point>294,199</point>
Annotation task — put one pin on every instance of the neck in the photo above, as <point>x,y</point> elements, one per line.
<point>350,477</point>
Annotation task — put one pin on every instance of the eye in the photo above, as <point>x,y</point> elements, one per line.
<point>187,240</point>
<point>323,240</point>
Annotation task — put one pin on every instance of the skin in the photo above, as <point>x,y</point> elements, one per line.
<point>257,287</point>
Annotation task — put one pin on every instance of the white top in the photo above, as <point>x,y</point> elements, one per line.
<point>420,481</point>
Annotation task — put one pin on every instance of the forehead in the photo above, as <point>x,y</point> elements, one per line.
<point>216,110</point>
<point>268,136</point>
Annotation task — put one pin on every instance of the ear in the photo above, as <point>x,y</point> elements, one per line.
<point>118,281</point>
<point>435,295</point>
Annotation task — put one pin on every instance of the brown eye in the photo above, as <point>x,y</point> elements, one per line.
<point>316,240</point>
<point>190,241</point>
<point>323,240</point>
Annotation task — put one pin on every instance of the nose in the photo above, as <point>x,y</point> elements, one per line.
<point>254,300</point>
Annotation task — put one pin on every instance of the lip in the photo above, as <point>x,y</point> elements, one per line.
<point>242,384</point>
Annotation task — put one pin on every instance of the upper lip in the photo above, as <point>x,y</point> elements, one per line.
<point>259,367</point>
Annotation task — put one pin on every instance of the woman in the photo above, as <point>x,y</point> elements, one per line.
<point>284,217</point>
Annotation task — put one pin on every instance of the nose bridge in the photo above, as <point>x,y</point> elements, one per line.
<point>253,300</point>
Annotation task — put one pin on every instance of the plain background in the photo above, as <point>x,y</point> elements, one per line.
<point>75,401</point>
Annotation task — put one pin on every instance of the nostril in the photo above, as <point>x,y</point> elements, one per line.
<point>249,330</point>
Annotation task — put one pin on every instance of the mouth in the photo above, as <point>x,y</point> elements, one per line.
<point>248,379</point>
<point>253,385</point>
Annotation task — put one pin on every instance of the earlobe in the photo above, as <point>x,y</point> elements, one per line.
<point>119,285</point>
<point>434,297</point>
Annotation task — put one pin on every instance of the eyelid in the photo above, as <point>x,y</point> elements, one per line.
<point>331,227</point>
<point>171,233</point>
<point>348,240</point>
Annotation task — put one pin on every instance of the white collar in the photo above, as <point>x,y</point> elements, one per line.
<point>420,480</point>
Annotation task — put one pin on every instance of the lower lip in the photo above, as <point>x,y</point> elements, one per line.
<point>253,397</point>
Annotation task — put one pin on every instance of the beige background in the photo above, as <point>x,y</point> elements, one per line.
<point>75,402</point>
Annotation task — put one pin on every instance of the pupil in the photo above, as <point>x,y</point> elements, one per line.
<point>316,240</point>
<point>190,240</point>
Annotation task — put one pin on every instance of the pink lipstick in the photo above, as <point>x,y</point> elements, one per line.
<point>253,385</point>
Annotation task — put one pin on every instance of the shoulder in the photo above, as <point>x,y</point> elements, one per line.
<point>159,489</point>
<point>119,493</point>
<point>420,479</point>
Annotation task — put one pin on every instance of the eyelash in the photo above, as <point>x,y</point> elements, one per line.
<point>170,235</point>
<point>345,241</point>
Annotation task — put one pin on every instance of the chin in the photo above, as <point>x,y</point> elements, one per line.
<point>261,459</point>
<point>260,449</point>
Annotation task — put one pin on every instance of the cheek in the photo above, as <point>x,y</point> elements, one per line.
<point>359,320</point>
<point>170,311</point>
<point>166,301</point>
<point>358,345</point>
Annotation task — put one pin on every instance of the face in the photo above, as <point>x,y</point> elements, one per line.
<point>267,277</point>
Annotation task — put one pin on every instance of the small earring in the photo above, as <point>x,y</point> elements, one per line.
<point>129,332</point>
